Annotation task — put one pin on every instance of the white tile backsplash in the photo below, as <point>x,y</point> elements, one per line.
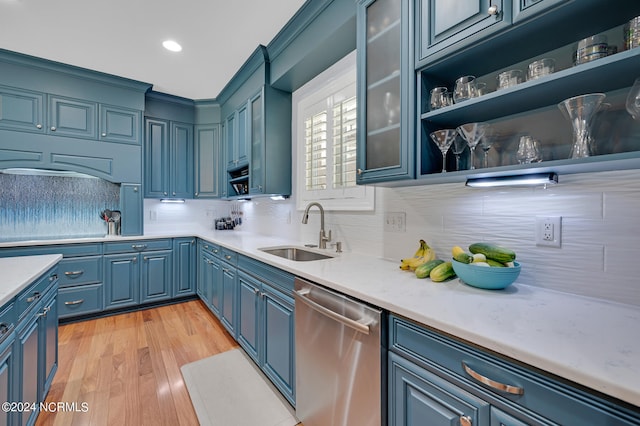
<point>600,227</point>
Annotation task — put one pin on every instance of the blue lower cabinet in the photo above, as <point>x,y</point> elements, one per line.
<point>227,281</point>
<point>157,274</point>
<point>418,397</point>
<point>134,278</point>
<point>266,331</point>
<point>436,379</point>
<point>7,372</point>
<point>184,267</point>
<point>80,300</point>
<point>36,347</point>
<point>121,280</point>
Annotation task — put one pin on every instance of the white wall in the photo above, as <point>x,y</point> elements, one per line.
<point>600,227</point>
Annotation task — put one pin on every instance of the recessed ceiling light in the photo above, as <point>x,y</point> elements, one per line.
<point>171,45</point>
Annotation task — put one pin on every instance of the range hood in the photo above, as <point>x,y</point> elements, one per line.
<point>44,172</point>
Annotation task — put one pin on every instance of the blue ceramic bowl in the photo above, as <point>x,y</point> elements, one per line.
<point>490,278</point>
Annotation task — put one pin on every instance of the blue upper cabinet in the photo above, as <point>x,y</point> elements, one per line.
<point>524,9</point>
<point>73,117</point>
<point>443,23</point>
<point>52,114</point>
<point>168,148</point>
<point>386,119</point>
<point>257,132</point>
<point>21,110</point>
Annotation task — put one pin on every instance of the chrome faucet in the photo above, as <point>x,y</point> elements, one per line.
<point>323,236</point>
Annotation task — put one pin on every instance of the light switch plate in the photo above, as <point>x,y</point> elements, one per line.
<point>395,222</point>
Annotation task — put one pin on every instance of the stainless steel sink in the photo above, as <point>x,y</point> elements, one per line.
<point>299,254</point>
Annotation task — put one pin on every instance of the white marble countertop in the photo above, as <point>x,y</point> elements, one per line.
<point>19,272</point>
<point>591,342</point>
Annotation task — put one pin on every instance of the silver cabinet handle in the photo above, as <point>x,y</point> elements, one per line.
<point>515,390</point>
<point>38,126</point>
<point>256,291</point>
<point>215,251</point>
<point>138,246</point>
<point>74,274</point>
<point>227,257</point>
<point>134,260</point>
<point>36,296</point>
<point>44,312</point>
<point>74,302</point>
<point>4,328</point>
<point>145,258</point>
<point>104,135</point>
<point>358,326</point>
<point>53,277</point>
<point>493,10</point>
<point>53,128</point>
<point>466,421</point>
<point>193,242</point>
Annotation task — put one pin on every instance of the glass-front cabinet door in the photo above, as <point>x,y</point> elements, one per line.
<point>386,134</point>
<point>257,174</point>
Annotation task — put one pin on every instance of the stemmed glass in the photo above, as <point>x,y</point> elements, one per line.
<point>459,145</point>
<point>633,100</point>
<point>444,138</point>
<point>472,133</point>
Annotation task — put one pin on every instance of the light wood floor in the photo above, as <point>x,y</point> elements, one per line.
<point>126,368</point>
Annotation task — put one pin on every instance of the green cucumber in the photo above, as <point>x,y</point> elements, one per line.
<point>494,252</point>
<point>424,270</point>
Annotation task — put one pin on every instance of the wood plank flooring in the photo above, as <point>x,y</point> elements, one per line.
<point>126,368</point>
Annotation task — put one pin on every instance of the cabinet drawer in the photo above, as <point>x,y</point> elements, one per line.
<point>67,250</point>
<point>266,273</point>
<point>552,397</point>
<point>228,256</point>
<point>85,299</point>
<point>31,295</point>
<point>210,248</point>
<point>80,270</point>
<point>135,246</point>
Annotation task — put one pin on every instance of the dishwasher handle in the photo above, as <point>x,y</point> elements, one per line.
<point>356,325</point>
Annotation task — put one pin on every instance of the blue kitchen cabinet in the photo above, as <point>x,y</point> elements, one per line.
<point>448,381</point>
<point>131,206</point>
<point>168,159</point>
<point>121,280</point>
<point>207,162</point>
<point>525,9</point>
<point>386,87</point>
<point>73,117</point>
<point>418,397</point>
<point>227,283</point>
<point>266,321</point>
<point>137,272</point>
<point>257,132</point>
<point>36,344</point>
<point>184,267</point>
<point>236,138</point>
<point>209,286</point>
<point>7,371</point>
<point>120,125</point>
<point>452,25</point>
<point>449,46</point>
<point>21,110</point>
<point>157,275</point>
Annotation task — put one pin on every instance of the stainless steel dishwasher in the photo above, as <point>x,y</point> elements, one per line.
<point>339,359</point>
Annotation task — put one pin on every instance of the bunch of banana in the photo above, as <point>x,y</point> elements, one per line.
<point>422,255</point>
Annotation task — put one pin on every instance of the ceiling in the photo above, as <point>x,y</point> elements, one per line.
<point>124,37</point>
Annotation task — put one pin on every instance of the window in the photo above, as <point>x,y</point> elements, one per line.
<point>324,129</point>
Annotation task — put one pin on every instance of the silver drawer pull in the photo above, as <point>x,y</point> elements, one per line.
<point>74,302</point>
<point>74,274</point>
<point>515,390</point>
<point>4,328</point>
<point>227,257</point>
<point>36,296</point>
<point>138,246</point>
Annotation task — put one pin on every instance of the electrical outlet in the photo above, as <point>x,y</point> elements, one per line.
<point>548,231</point>
<point>395,222</point>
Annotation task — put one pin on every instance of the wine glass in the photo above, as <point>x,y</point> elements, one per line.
<point>633,100</point>
<point>459,145</point>
<point>486,143</point>
<point>528,151</point>
<point>444,138</point>
<point>472,133</point>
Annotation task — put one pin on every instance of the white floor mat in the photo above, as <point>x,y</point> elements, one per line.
<point>228,389</point>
